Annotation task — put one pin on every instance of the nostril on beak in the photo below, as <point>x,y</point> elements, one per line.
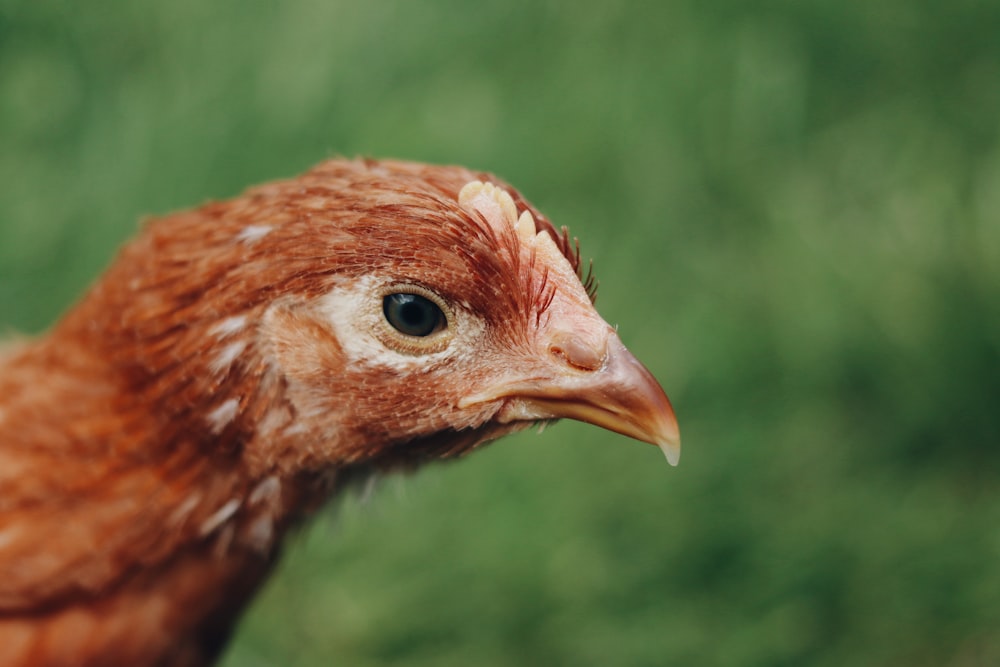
<point>582,354</point>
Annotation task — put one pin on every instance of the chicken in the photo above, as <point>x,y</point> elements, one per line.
<point>239,364</point>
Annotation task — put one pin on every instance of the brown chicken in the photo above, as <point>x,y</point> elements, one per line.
<point>240,363</point>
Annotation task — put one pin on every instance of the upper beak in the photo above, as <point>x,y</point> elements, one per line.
<point>620,395</point>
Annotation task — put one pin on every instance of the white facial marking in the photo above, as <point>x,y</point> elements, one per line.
<point>222,415</point>
<point>353,307</point>
<point>219,517</point>
<point>228,326</point>
<point>227,356</point>
<point>252,233</point>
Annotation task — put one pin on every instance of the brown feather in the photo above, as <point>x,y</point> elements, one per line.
<point>197,403</point>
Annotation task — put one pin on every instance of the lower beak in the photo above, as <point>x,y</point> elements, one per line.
<point>621,396</point>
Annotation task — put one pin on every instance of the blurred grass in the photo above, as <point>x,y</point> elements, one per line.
<point>794,208</point>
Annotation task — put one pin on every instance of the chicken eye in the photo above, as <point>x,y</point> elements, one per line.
<point>412,314</point>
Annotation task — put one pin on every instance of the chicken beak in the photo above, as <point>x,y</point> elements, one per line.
<point>621,396</point>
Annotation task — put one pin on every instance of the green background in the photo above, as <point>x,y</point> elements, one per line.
<point>794,212</point>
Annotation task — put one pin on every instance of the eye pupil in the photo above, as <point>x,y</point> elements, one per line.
<point>412,314</point>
